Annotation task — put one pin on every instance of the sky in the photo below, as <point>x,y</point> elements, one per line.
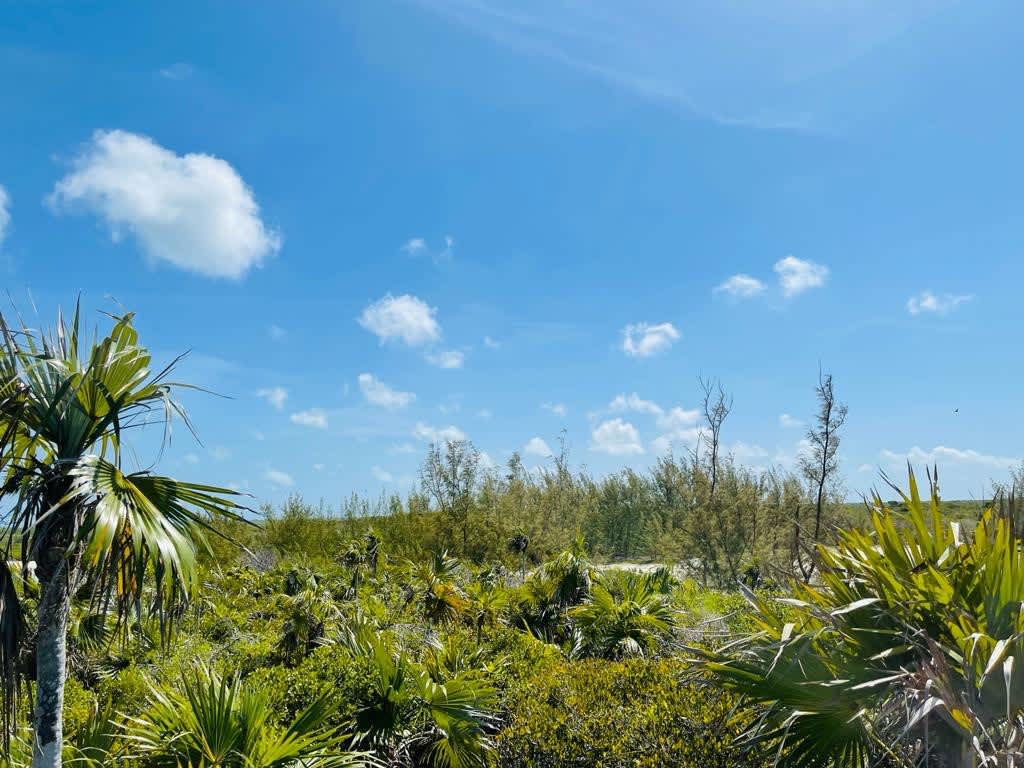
<point>374,225</point>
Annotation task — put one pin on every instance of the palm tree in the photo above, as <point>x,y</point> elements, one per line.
<point>437,714</point>
<point>220,723</point>
<point>909,647</point>
<point>73,511</point>
<point>627,616</point>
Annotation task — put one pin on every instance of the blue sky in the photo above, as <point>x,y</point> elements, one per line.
<point>380,223</point>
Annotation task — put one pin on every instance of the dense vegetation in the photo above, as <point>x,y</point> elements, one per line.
<point>478,622</point>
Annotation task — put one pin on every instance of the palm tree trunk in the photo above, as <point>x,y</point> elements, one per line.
<point>51,671</point>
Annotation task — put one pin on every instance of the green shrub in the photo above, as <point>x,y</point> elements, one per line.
<point>638,713</point>
<point>329,668</point>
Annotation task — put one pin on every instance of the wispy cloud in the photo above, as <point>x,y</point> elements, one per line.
<point>698,58</point>
<point>789,421</point>
<point>446,358</point>
<point>279,478</point>
<point>429,434</point>
<point>276,396</point>
<point>177,71</point>
<point>942,454</point>
<point>928,302</point>
<point>377,392</point>
<point>314,417</point>
<point>5,213</point>
<point>559,409</point>
<point>382,475</point>
<point>741,287</point>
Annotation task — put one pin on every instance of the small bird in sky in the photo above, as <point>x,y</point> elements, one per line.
<point>956,411</point>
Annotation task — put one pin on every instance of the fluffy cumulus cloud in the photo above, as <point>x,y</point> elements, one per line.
<point>678,419</point>
<point>741,287</point>
<point>942,454</point>
<point>314,417</point>
<point>446,358</point>
<point>797,275</point>
<point>402,318</point>
<point>377,392</point>
<point>646,339</point>
<point>615,437</point>
<point>5,213</point>
<point>276,396</point>
<point>429,434</point>
<point>279,478</point>
<point>789,421</point>
<point>537,447</point>
<point>191,211</point>
<point>928,302</point>
<point>633,402</point>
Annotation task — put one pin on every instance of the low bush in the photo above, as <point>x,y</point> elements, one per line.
<point>637,713</point>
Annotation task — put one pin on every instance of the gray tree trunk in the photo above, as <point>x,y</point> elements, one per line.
<point>51,671</point>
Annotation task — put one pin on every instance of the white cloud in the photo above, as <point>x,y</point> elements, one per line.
<point>318,467</point>
<point>377,392</point>
<point>177,71</point>
<point>277,333</point>
<point>485,414</point>
<point>741,286</point>
<point>414,245</point>
<point>405,318</point>
<point>191,458</point>
<point>220,453</point>
<point>276,396</point>
<point>633,402</point>
<point>644,339</point>
<point>277,477</point>
<point>430,434</point>
<point>942,454</point>
<point>558,409</point>
<point>5,213</point>
<point>798,275</point>
<point>742,450</point>
<point>446,358</point>
<point>403,448</point>
<point>926,301</point>
<point>788,421</point>
<point>537,447</point>
<point>192,211</point>
<point>865,468</point>
<point>381,474</point>
<point>449,249</point>
<point>314,417</point>
<point>615,437</point>
<point>678,419</point>
<point>491,343</point>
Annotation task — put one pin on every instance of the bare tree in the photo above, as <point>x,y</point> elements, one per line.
<point>820,465</point>
<point>717,405</point>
